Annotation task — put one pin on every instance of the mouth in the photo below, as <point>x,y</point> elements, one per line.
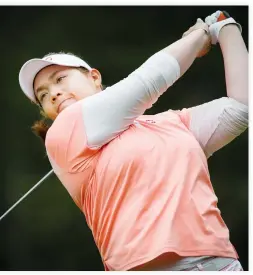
<point>65,103</point>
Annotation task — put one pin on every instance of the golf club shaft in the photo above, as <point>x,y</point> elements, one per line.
<point>22,198</point>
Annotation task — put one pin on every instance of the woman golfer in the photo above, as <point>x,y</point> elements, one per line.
<point>142,181</point>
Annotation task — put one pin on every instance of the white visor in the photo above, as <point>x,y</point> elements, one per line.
<point>30,69</point>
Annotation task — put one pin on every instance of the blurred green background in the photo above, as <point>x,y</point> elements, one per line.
<point>47,231</point>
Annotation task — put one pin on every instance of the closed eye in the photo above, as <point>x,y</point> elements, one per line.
<point>42,96</point>
<point>59,79</point>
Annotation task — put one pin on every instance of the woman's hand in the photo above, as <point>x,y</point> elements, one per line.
<point>217,21</point>
<point>200,24</point>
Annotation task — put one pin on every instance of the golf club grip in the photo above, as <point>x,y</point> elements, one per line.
<point>224,15</point>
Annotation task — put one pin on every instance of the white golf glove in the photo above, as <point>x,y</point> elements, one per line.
<point>216,22</point>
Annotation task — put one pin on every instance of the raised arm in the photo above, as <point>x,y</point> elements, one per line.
<point>235,57</point>
<point>188,48</point>
<point>217,123</point>
<point>113,110</point>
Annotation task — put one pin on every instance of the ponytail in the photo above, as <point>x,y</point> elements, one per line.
<point>40,128</point>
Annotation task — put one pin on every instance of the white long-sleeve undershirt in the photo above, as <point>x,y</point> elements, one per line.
<point>110,112</point>
<point>113,110</point>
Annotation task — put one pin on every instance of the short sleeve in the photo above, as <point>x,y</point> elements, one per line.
<point>66,141</point>
<point>215,123</point>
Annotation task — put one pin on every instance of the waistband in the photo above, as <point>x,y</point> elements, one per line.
<point>204,263</point>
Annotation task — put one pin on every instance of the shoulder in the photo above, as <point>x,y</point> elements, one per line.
<point>64,123</point>
<point>177,116</point>
<point>66,138</point>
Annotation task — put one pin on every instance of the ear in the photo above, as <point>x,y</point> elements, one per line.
<point>97,78</point>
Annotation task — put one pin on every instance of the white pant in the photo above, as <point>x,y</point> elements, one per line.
<point>205,264</point>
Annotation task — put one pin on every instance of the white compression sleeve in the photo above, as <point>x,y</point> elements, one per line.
<point>216,123</point>
<point>113,110</point>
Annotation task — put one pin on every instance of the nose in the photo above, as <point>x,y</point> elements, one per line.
<point>55,94</point>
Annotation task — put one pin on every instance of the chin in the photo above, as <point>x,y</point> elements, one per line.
<point>66,104</point>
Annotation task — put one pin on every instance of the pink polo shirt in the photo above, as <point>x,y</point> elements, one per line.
<point>144,187</point>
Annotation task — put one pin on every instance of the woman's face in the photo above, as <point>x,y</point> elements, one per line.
<point>57,87</point>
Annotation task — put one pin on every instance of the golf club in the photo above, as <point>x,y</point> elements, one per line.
<point>22,198</point>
